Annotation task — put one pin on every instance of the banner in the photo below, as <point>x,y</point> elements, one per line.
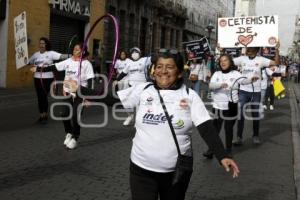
<point>250,31</point>
<point>197,49</point>
<point>21,40</point>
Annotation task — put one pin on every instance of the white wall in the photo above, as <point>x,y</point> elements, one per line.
<point>3,42</point>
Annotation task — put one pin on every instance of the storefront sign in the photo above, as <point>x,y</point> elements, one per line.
<point>20,33</point>
<point>197,49</point>
<point>255,31</point>
<point>77,7</point>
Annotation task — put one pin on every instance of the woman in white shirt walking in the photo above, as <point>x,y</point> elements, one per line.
<point>43,80</point>
<point>225,98</point>
<point>154,151</point>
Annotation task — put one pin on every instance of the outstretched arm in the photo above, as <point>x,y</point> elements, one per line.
<point>212,139</point>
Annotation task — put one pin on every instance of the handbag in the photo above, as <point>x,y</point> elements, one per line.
<point>278,87</point>
<point>193,77</point>
<point>184,164</point>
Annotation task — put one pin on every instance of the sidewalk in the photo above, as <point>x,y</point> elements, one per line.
<point>294,90</point>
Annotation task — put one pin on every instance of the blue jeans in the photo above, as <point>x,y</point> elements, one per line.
<point>197,86</point>
<point>247,97</point>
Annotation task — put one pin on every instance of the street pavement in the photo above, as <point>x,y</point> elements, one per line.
<point>35,165</point>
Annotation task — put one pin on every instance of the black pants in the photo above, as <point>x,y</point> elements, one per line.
<point>229,117</point>
<point>270,94</point>
<point>71,125</point>
<point>42,88</point>
<point>148,185</point>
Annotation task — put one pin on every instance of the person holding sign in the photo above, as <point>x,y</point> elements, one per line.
<point>251,65</point>
<point>43,80</point>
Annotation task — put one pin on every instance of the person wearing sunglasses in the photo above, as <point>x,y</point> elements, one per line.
<point>166,111</point>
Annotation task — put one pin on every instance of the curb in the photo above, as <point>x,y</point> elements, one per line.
<point>295,122</point>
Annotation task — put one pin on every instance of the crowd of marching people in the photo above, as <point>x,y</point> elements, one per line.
<point>164,106</point>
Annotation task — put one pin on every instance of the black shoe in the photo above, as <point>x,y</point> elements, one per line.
<point>208,154</point>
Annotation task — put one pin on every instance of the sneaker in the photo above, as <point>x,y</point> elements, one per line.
<point>278,97</point>
<point>283,95</point>
<point>128,120</point>
<point>68,138</point>
<point>208,154</point>
<point>271,107</point>
<point>265,107</point>
<point>238,142</point>
<point>256,140</point>
<point>72,144</point>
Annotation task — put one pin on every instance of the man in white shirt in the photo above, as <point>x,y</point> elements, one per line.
<point>251,65</point>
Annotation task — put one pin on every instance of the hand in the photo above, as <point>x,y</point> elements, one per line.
<point>254,79</point>
<point>86,103</point>
<point>277,45</point>
<point>229,163</point>
<point>33,69</point>
<point>224,85</point>
<point>71,85</point>
<point>114,83</point>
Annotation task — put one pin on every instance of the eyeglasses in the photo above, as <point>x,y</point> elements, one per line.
<point>171,51</point>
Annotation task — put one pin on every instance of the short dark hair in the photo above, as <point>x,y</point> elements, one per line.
<point>169,53</point>
<point>47,43</point>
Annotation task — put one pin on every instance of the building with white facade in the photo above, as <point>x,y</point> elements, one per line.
<point>203,16</point>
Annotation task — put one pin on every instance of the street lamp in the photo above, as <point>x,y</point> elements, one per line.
<point>209,29</point>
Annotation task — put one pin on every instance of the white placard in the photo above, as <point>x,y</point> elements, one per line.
<point>21,47</point>
<point>250,31</point>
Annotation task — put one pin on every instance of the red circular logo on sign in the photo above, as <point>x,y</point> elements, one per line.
<point>272,40</point>
<point>223,23</point>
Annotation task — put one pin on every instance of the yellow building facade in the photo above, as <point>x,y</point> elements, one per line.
<point>58,20</point>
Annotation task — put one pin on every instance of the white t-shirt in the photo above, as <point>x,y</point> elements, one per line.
<point>222,96</point>
<point>266,74</point>
<point>71,68</point>
<point>153,147</point>
<point>40,59</point>
<point>250,68</point>
<point>120,66</point>
<point>136,70</point>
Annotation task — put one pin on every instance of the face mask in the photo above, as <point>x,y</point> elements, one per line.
<point>77,53</point>
<point>135,56</point>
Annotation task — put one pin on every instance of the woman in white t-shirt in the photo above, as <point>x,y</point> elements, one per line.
<point>120,65</point>
<point>43,80</point>
<point>154,153</point>
<point>223,84</point>
<point>135,73</point>
<point>84,77</point>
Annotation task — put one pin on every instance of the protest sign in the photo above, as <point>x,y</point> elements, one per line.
<point>250,31</point>
<point>197,49</point>
<point>234,52</point>
<point>268,52</point>
<point>20,34</point>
